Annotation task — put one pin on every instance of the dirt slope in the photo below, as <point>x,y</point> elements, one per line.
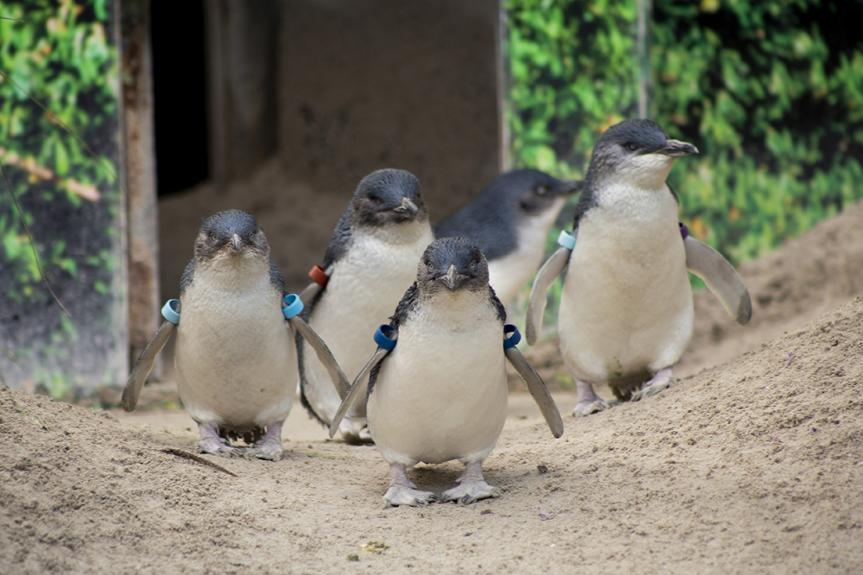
<point>791,286</point>
<point>755,466</point>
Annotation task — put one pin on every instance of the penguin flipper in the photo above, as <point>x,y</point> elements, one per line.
<point>144,365</point>
<point>325,356</point>
<point>359,388</point>
<point>544,278</point>
<point>310,292</point>
<point>721,278</point>
<point>538,390</point>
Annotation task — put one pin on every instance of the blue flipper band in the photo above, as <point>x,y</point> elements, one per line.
<point>511,336</point>
<point>383,337</point>
<point>171,311</point>
<point>566,240</point>
<point>293,305</point>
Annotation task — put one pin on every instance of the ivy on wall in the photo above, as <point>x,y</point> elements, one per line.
<point>571,75</point>
<point>770,91</point>
<point>58,154</point>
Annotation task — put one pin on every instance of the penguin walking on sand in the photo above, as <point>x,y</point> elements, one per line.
<point>510,221</point>
<point>370,261</point>
<point>235,355</point>
<point>626,310</point>
<point>437,384</point>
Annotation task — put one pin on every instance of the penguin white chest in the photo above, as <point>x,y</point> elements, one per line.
<point>626,307</point>
<point>442,393</point>
<point>235,358</point>
<point>364,290</point>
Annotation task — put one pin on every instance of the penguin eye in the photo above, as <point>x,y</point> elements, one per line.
<point>540,190</point>
<point>374,198</point>
<point>630,146</point>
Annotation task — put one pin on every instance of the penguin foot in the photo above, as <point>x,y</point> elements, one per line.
<point>403,495</point>
<point>217,446</point>
<point>271,451</point>
<point>468,492</point>
<point>214,444</point>
<point>270,446</point>
<point>587,401</point>
<point>471,486</point>
<point>402,490</point>
<point>585,408</point>
<point>661,380</point>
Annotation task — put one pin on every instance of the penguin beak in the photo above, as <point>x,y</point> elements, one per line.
<point>676,149</point>
<point>451,280</point>
<point>236,243</point>
<point>407,207</point>
<point>568,187</point>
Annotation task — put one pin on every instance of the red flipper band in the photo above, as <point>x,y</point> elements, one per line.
<point>319,276</point>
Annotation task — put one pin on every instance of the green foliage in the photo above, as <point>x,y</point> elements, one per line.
<point>58,95</point>
<point>50,52</point>
<point>572,75</point>
<point>773,97</point>
<point>771,92</point>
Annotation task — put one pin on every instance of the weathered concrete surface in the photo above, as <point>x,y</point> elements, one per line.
<point>387,83</point>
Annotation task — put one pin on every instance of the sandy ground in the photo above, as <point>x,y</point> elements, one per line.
<point>754,465</point>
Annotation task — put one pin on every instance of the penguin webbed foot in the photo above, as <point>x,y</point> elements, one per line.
<point>587,401</point>
<point>402,490</point>
<point>398,495</point>
<point>660,381</point>
<point>268,447</point>
<point>471,487</point>
<point>469,492</point>
<point>217,446</point>
<point>271,451</point>
<point>585,408</point>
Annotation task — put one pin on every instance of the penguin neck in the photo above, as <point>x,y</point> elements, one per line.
<point>538,225</point>
<point>458,310</point>
<point>233,273</point>
<point>634,200</point>
<point>404,233</point>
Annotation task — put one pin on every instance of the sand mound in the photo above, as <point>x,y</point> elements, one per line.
<point>754,466</point>
<point>790,287</point>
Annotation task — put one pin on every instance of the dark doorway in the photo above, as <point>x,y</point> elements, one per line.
<point>179,94</point>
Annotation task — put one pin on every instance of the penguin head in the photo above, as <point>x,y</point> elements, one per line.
<point>635,152</point>
<point>230,234</point>
<point>531,192</point>
<point>452,265</point>
<point>387,197</point>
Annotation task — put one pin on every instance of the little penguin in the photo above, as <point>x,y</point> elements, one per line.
<point>626,310</point>
<point>437,389</point>
<point>370,261</point>
<point>510,222</point>
<point>235,355</point>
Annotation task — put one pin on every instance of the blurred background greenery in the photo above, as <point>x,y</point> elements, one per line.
<point>770,91</point>
<point>57,156</point>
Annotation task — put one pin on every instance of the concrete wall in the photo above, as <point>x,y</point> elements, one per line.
<point>365,84</point>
